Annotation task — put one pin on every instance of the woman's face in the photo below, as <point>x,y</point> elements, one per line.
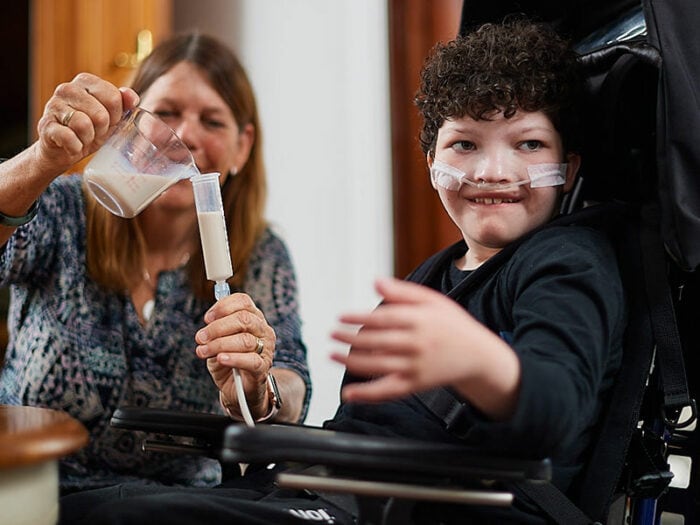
<point>186,101</point>
<point>499,151</point>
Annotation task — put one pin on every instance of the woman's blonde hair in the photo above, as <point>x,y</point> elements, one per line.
<point>116,246</point>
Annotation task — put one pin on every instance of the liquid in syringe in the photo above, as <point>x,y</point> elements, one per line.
<point>217,258</point>
<point>212,230</point>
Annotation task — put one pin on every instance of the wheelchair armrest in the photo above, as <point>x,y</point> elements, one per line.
<point>395,457</point>
<point>198,425</point>
<point>344,452</point>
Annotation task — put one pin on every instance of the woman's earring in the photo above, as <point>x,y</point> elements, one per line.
<point>233,171</point>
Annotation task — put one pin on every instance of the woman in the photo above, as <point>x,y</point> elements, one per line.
<point>104,310</point>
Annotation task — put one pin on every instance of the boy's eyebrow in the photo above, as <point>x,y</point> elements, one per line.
<point>473,130</point>
<point>456,128</point>
<point>529,129</point>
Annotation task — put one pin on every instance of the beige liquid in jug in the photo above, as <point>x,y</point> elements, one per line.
<point>127,195</point>
<point>120,190</point>
<point>217,258</point>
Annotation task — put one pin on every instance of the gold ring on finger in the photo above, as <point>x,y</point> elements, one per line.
<point>261,345</point>
<point>66,118</point>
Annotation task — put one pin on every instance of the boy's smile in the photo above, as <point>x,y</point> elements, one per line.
<point>499,151</point>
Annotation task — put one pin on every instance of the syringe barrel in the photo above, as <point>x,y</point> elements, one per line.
<point>212,226</point>
<point>207,192</point>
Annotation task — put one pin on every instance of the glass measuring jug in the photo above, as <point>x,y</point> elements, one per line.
<point>141,159</point>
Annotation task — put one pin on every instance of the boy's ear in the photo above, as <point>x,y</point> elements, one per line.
<point>429,159</point>
<point>573,161</point>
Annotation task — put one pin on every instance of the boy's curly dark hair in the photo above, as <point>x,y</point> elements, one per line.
<point>503,67</point>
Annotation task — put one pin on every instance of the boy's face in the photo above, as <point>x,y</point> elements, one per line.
<point>499,151</point>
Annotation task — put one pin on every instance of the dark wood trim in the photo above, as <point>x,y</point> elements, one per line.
<point>421,226</point>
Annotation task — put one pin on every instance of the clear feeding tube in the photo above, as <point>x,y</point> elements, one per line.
<point>536,175</point>
<point>217,257</point>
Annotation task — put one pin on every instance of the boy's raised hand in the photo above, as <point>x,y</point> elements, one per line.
<point>419,339</point>
<point>415,340</point>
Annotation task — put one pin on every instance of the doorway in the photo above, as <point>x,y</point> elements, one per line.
<point>14,104</point>
<point>14,62</point>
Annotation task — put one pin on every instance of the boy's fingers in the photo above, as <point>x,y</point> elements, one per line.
<point>367,365</point>
<point>398,291</point>
<point>384,316</point>
<point>382,341</point>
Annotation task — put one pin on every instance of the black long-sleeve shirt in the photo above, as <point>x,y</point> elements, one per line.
<point>559,302</point>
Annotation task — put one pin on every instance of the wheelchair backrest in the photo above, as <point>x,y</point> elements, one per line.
<point>621,163</point>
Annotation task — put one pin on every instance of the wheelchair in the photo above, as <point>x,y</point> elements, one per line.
<point>638,187</point>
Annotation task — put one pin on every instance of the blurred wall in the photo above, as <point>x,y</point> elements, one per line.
<point>321,73</point>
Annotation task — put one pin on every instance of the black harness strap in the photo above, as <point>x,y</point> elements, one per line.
<point>556,504</point>
<point>443,404</point>
<point>663,320</point>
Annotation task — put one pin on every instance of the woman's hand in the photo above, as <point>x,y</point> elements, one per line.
<point>238,336</point>
<point>78,118</point>
<point>419,339</point>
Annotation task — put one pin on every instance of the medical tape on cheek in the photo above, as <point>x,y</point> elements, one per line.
<point>446,176</point>
<point>544,175</point>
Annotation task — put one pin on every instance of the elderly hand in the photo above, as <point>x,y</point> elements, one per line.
<point>78,118</point>
<point>237,336</point>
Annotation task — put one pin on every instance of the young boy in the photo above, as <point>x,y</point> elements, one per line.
<point>523,321</point>
<point>532,349</point>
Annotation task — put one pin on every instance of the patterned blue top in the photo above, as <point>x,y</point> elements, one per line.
<point>76,347</point>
